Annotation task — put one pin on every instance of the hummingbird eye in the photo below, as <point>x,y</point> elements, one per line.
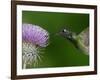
<point>64,30</point>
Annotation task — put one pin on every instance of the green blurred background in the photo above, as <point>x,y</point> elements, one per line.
<point>60,52</point>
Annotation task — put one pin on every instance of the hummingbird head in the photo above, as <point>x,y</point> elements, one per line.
<point>67,34</point>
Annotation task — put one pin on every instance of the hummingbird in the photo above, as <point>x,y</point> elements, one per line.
<point>80,41</point>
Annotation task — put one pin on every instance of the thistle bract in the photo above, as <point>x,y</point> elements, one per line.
<point>33,39</point>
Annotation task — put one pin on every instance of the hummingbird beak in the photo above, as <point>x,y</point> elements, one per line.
<point>57,34</point>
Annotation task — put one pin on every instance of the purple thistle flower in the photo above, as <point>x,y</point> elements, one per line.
<point>35,34</point>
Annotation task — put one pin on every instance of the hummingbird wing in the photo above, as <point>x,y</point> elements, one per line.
<point>83,40</point>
